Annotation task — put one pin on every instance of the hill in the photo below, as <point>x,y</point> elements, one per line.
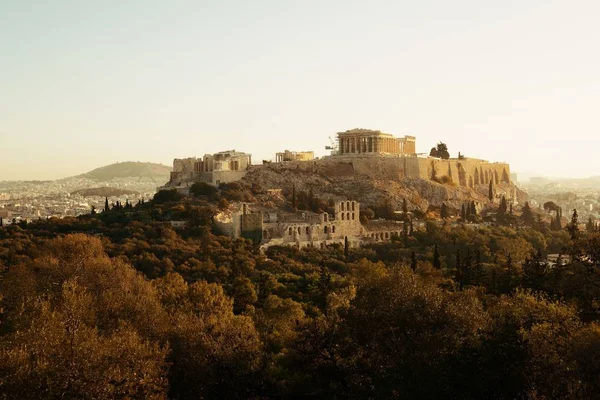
<point>104,192</point>
<point>340,180</point>
<point>130,169</point>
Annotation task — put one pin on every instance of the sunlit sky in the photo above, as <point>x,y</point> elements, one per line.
<point>85,84</point>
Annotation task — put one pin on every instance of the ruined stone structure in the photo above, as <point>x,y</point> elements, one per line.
<point>370,142</point>
<point>304,229</point>
<point>294,156</point>
<point>214,169</point>
<point>359,151</point>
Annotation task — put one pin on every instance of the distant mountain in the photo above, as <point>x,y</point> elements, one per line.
<point>130,169</point>
<point>104,192</point>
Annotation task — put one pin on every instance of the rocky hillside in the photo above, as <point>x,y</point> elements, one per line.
<point>156,172</point>
<point>344,183</point>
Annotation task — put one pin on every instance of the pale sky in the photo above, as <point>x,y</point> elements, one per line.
<point>88,83</point>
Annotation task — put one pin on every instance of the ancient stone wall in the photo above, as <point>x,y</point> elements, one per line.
<point>468,172</point>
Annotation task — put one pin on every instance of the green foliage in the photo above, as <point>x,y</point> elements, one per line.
<point>440,151</point>
<point>144,311</point>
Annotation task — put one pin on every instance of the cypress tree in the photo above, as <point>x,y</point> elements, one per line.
<point>590,225</point>
<point>574,226</point>
<point>346,247</point>
<point>106,204</point>
<point>404,209</point>
<point>473,208</point>
<point>437,262</point>
<point>477,270</point>
<point>502,209</point>
<point>294,199</point>
<point>413,261</point>
<point>411,228</point>
<point>463,213</point>
<point>444,211</point>
<point>491,191</point>
<point>527,215</point>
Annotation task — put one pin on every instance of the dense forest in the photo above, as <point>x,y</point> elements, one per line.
<point>119,304</point>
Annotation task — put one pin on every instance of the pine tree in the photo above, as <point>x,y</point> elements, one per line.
<point>437,262</point>
<point>413,261</point>
<point>106,208</point>
<point>491,191</point>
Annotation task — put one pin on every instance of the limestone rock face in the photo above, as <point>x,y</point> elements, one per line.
<point>341,181</point>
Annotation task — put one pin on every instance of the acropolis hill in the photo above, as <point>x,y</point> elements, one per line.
<point>367,170</point>
<point>363,152</point>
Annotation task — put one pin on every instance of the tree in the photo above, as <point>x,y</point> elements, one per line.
<point>440,151</point>
<point>444,211</point>
<point>463,212</point>
<point>294,198</point>
<point>502,209</point>
<point>437,262</point>
<point>473,210</point>
<point>106,207</point>
<point>404,209</point>
<point>413,261</point>
<point>346,247</point>
<point>491,191</point>
<point>527,215</point>
<point>93,211</point>
<point>590,226</point>
<point>204,189</point>
<point>574,225</point>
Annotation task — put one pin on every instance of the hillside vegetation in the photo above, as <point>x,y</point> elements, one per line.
<point>119,304</point>
<point>129,169</point>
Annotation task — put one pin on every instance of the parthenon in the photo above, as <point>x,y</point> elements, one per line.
<point>366,141</point>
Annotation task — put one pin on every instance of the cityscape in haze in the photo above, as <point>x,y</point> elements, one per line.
<point>299,199</point>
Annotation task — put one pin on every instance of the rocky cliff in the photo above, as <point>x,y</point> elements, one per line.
<point>342,181</point>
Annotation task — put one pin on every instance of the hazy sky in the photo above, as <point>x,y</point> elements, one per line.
<point>87,83</point>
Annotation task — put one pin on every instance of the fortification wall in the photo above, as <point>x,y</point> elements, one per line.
<point>469,172</point>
